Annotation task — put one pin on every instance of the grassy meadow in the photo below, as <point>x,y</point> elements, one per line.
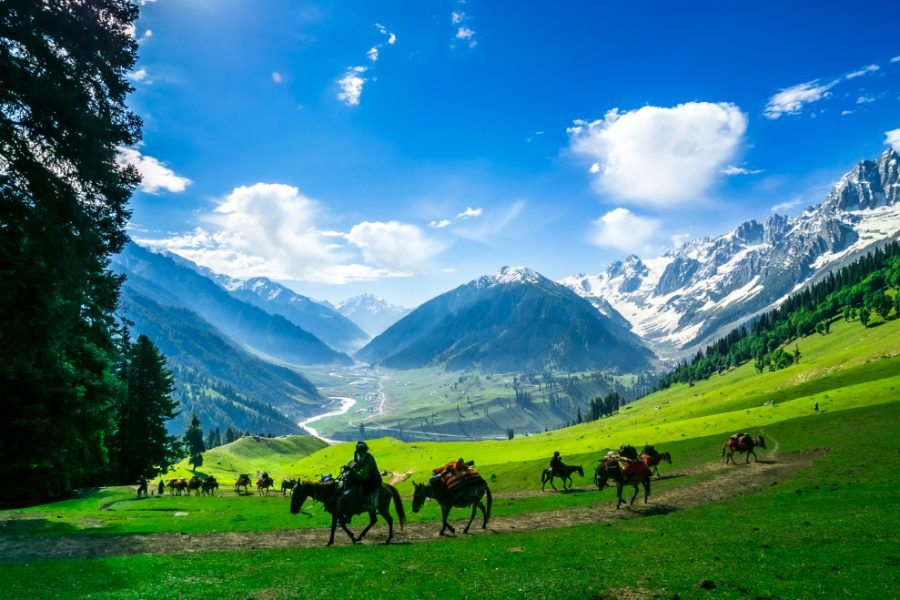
<point>829,529</point>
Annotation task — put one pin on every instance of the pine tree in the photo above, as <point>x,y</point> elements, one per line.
<point>193,440</point>
<point>63,209</point>
<point>141,444</point>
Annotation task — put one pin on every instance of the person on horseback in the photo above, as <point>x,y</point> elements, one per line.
<point>557,466</point>
<point>362,478</point>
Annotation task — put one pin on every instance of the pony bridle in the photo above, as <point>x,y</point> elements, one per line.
<point>315,498</point>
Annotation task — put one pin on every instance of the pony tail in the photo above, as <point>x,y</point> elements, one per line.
<point>398,504</point>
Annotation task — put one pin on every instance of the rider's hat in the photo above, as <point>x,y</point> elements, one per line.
<point>361,444</point>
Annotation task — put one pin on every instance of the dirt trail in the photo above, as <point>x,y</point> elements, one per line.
<point>723,482</point>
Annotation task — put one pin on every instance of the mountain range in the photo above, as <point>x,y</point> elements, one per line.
<point>369,312</point>
<point>690,296</point>
<point>514,320</point>
<point>170,282</point>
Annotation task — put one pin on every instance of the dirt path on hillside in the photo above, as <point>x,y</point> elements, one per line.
<point>722,482</point>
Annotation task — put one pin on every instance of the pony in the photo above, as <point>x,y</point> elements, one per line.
<point>176,486</point>
<point>341,509</point>
<point>264,483</point>
<point>653,460</point>
<point>194,484</point>
<point>742,443</point>
<point>613,470</point>
<point>440,493</point>
<point>243,481</point>
<point>549,474</point>
<point>287,485</point>
<point>142,487</point>
<point>210,485</point>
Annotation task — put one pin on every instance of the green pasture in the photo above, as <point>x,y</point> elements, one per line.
<point>828,531</point>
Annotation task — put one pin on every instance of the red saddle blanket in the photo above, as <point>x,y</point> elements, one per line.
<point>461,480</point>
<point>634,468</point>
<point>739,443</point>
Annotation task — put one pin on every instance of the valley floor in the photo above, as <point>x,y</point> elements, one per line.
<point>717,482</point>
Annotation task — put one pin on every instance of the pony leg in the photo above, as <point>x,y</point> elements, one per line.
<point>386,513</point>
<point>619,494</point>
<point>646,490</point>
<point>372,519</point>
<point>445,511</point>
<point>472,518</point>
<point>349,533</point>
<point>635,494</point>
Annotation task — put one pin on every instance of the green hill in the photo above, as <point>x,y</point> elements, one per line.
<point>849,368</point>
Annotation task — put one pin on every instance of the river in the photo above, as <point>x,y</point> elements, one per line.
<point>346,404</point>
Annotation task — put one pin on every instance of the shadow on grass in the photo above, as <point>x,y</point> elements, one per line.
<point>655,509</point>
<point>667,477</point>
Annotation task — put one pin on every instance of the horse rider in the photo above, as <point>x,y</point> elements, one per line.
<point>162,487</point>
<point>556,465</point>
<point>362,478</point>
<point>142,486</point>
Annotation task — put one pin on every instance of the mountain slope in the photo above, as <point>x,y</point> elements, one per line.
<point>698,292</point>
<point>515,320</point>
<point>372,314</point>
<point>170,283</point>
<point>325,323</point>
<point>214,378</point>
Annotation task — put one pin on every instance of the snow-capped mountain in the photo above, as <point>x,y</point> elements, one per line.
<point>370,313</point>
<point>693,294</point>
<point>514,320</point>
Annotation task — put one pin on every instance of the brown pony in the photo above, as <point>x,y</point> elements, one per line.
<point>613,470</point>
<point>341,509</point>
<point>210,485</point>
<point>194,485</point>
<point>176,486</point>
<point>263,484</point>
<point>440,493</point>
<point>742,443</point>
<point>653,460</point>
<point>243,481</point>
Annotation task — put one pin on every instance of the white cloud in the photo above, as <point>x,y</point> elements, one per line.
<point>785,206</point>
<point>623,230</point>
<point>680,239</point>
<point>392,39</point>
<point>790,101</point>
<point>393,245</point>
<point>373,53</point>
<point>865,100</point>
<point>139,76</point>
<point>735,170</point>
<point>277,77</point>
<point>487,228</point>
<point>844,113</point>
<point>456,17</point>
<point>351,85</point>
<point>470,213</point>
<point>862,71</point>
<point>464,33</point>
<point>155,175</point>
<point>895,59</point>
<point>657,155</point>
<point>448,270</point>
<point>892,139</point>
<point>440,224</point>
<point>269,230</point>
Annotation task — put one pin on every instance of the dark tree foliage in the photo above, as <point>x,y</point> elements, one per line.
<point>193,440</point>
<point>854,291</point>
<point>63,208</point>
<point>141,446</point>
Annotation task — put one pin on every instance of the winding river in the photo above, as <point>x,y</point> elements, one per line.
<point>346,404</point>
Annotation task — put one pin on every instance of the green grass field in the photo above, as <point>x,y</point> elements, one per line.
<point>829,530</point>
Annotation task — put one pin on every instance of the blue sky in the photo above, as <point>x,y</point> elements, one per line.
<point>404,148</point>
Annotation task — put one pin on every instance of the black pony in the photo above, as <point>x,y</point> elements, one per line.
<point>329,493</point>
<point>550,473</point>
